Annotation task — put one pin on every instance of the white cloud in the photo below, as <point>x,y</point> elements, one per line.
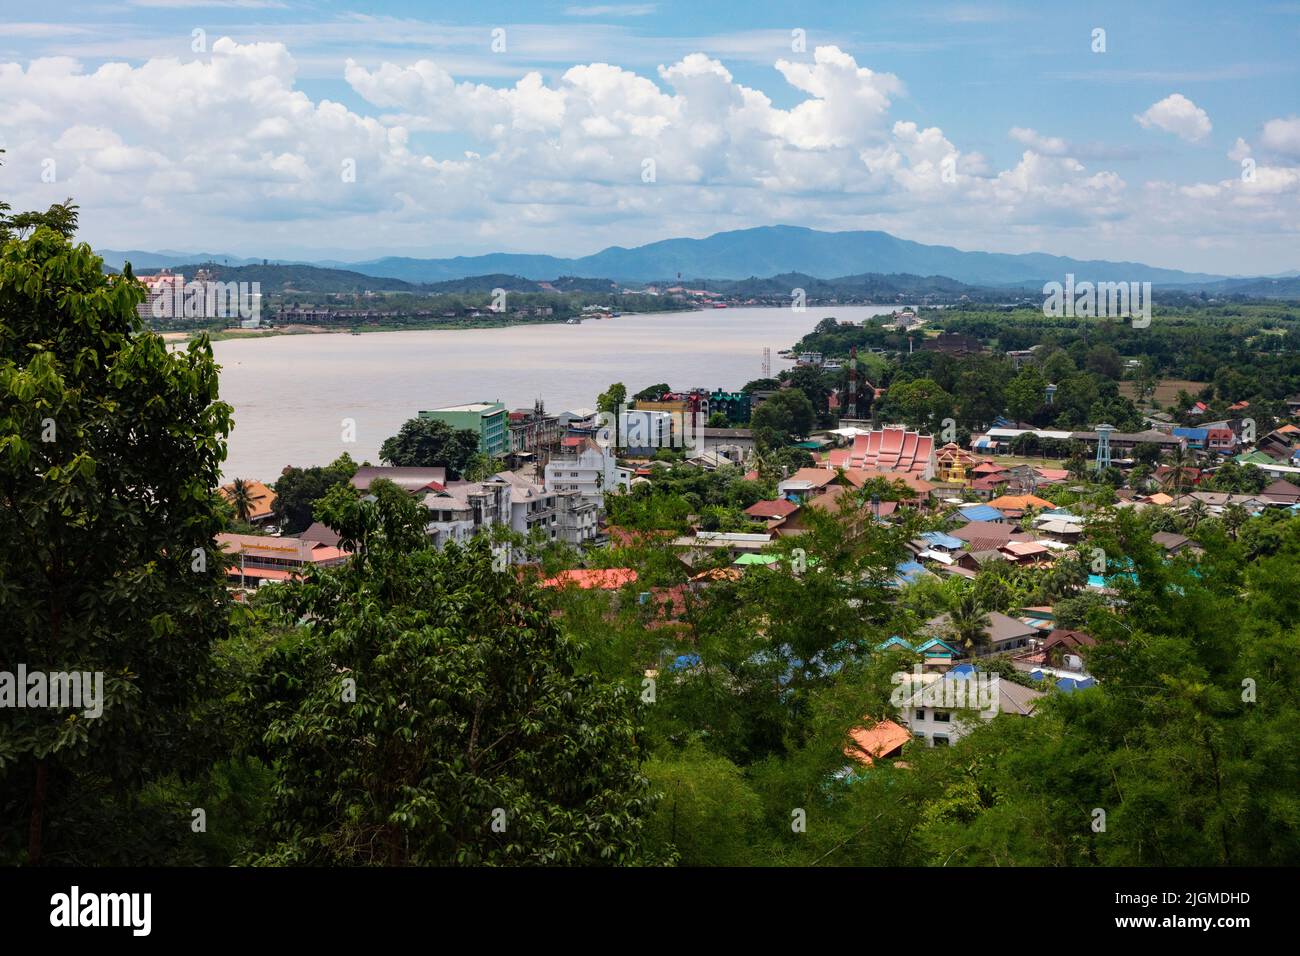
<point>1282,136</point>
<point>227,152</point>
<point>1048,145</point>
<point>1178,115</point>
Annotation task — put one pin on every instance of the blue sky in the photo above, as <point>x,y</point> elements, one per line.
<point>982,125</point>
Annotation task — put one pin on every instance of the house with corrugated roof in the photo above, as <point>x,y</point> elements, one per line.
<point>1002,634</point>
<point>945,708</point>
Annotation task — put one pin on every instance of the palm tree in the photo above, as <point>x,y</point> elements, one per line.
<point>1195,512</point>
<point>968,621</point>
<point>1063,578</point>
<point>1234,516</point>
<point>241,498</point>
<point>1178,460</point>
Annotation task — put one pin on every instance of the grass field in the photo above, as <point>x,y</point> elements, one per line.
<point>1166,392</point>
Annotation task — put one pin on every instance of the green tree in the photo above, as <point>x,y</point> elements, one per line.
<point>968,621</point>
<point>241,499</point>
<point>1026,393</point>
<point>430,443</point>
<point>110,455</point>
<point>708,814</point>
<point>920,403</point>
<point>785,416</point>
<point>298,489</point>
<point>432,713</point>
<point>612,398</point>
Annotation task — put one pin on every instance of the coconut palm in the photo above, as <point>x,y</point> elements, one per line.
<point>241,499</point>
<point>1179,461</point>
<point>968,621</point>
<point>1196,511</point>
<point>1234,516</point>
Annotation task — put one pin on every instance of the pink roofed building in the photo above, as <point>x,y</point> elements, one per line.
<point>891,449</point>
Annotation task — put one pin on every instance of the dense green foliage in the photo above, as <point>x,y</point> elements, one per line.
<point>428,443</point>
<point>430,712</point>
<point>110,454</point>
<point>298,489</point>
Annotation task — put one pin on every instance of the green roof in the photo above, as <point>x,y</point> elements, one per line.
<point>1255,458</point>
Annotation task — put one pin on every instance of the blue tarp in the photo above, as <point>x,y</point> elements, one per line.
<point>1070,684</point>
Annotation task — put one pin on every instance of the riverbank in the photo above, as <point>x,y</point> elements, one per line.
<point>305,399</point>
<point>222,335</point>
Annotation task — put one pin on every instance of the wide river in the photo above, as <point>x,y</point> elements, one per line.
<point>292,393</point>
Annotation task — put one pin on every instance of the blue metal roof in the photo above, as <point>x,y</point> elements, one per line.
<point>980,513</point>
<point>940,540</point>
<point>1201,433</point>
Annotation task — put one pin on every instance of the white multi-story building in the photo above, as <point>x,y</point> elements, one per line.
<point>583,466</point>
<point>941,709</point>
<point>461,509</point>
<point>160,290</point>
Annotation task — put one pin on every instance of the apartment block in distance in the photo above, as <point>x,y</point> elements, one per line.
<point>489,420</point>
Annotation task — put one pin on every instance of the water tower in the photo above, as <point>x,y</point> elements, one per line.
<point>1103,446</point>
<point>1051,394</point>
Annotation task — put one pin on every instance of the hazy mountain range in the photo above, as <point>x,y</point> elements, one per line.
<point>746,253</point>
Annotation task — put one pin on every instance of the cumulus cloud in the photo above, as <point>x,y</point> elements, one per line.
<point>1282,136</point>
<point>1178,115</point>
<point>226,150</point>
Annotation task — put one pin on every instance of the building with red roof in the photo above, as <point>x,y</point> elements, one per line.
<point>885,739</point>
<point>605,579</point>
<point>778,508</point>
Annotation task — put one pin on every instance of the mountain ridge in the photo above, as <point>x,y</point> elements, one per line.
<point>734,255</point>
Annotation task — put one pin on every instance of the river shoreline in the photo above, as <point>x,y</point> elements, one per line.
<point>304,399</point>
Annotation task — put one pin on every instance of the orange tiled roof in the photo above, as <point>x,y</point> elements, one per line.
<point>879,740</point>
<point>607,579</point>
<point>262,498</point>
<point>776,508</point>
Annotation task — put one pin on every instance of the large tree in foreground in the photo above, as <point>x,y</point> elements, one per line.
<point>110,453</point>
<point>430,712</point>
